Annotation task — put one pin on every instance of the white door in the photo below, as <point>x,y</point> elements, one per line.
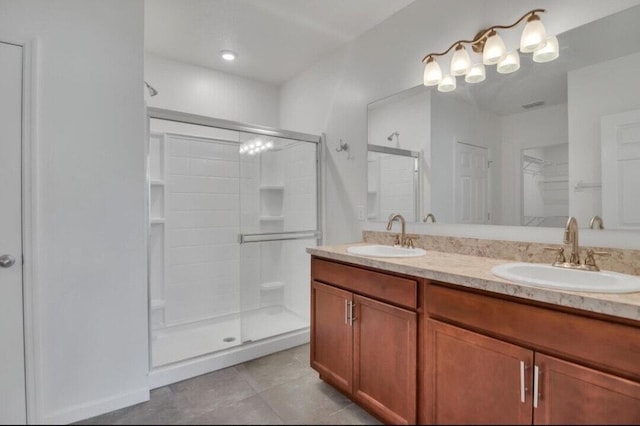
<point>12,376</point>
<point>472,184</point>
<point>621,170</point>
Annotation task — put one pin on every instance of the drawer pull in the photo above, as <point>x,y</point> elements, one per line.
<point>523,389</point>
<point>536,373</point>
<point>346,312</point>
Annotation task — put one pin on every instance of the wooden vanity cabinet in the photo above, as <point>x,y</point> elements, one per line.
<point>486,359</point>
<point>364,337</point>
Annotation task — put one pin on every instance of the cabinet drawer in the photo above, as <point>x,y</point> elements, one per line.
<point>389,288</point>
<point>607,345</point>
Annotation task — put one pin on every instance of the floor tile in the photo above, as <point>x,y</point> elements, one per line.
<point>306,400</point>
<point>352,414</point>
<point>251,411</point>
<point>275,369</point>
<point>202,394</point>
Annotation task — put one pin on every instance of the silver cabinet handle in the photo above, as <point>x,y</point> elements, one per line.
<point>536,373</point>
<point>346,311</point>
<point>522,388</point>
<point>7,261</point>
<point>352,317</point>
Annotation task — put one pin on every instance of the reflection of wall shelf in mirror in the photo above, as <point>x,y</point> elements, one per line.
<point>554,180</point>
<point>581,186</point>
<point>156,221</point>
<point>156,182</point>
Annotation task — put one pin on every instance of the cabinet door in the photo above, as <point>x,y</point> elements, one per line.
<point>385,345</point>
<point>331,335</point>
<point>572,394</point>
<point>474,379</point>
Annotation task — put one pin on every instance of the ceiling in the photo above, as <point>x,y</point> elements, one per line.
<point>274,39</point>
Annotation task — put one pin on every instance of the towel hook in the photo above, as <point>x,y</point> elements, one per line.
<point>343,146</point>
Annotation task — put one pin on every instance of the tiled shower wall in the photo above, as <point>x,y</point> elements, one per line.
<point>202,223</point>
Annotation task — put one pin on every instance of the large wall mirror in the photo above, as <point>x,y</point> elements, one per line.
<point>533,147</point>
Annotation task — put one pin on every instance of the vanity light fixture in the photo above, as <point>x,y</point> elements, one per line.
<point>491,47</point>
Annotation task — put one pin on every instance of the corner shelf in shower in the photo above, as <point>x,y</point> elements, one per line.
<point>271,187</point>
<point>271,218</point>
<point>272,285</point>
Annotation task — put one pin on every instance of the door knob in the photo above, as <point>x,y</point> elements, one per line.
<point>7,261</point>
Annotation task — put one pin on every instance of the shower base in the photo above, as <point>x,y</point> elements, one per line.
<point>177,352</point>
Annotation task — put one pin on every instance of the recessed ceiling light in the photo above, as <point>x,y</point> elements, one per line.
<point>228,55</point>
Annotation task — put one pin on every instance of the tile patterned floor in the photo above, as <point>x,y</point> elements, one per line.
<point>277,389</point>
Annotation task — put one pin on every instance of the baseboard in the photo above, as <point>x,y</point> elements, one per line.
<point>97,407</point>
<point>193,367</point>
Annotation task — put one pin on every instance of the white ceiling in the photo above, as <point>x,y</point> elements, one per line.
<point>274,39</point>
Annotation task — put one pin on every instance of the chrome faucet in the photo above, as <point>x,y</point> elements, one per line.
<point>429,216</point>
<point>595,219</point>
<point>392,218</point>
<point>571,237</point>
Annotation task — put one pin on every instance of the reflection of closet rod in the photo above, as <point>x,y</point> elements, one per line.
<point>394,151</point>
<point>535,160</point>
<point>581,186</point>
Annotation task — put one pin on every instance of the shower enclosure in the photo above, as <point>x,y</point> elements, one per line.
<point>232,208</point>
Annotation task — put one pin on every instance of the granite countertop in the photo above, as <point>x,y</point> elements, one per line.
<point>475,272</point>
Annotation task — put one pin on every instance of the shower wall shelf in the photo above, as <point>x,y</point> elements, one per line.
<point>271,218</point>
<point>271,187</point>
<point>157,237</point>
<point>273,285</point>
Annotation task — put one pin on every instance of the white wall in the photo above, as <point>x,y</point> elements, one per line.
<point>203,91</point>
<point>332,96</point>
<point>586,84</point>
<point>90,288</point>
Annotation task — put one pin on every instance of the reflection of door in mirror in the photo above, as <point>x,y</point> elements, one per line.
<point>621,169</point>
<point>545,186</point>
<point>393,183</point>
<point>472,184</point>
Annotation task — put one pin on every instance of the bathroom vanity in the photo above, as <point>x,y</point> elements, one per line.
<point>440,340</point>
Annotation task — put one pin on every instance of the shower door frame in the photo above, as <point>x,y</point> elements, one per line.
<point>187,118</point>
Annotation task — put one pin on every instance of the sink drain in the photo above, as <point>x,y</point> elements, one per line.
<point>229,339</point>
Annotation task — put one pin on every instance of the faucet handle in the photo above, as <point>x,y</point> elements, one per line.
<point>409,243</point>
<point>560,254</point>
<point>590,261</point>
<point>397,240</point>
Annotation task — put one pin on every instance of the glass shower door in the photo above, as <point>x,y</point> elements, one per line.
<point>278,198</point>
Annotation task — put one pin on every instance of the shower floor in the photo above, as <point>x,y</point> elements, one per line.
<point>191,340</point>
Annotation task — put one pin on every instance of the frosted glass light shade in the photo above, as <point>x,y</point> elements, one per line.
<point>548,52</point>
<point>476,74</point>
<point>510,63</point>
<point>533,36</point>
<point>448,83</point>
<point>494,49</point>
<point>432,73</point>
<point>460,62</point>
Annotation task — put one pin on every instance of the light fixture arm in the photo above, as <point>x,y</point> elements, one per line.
<point>483,34</point>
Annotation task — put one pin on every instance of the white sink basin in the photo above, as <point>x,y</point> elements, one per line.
<point>541,275</point>
<point>377,250</point>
